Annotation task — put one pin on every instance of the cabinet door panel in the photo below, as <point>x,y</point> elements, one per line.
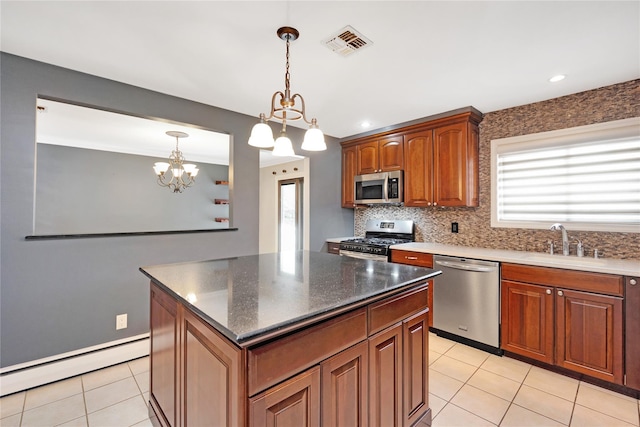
<point>367,158</point>
<point>344,388</point>
<point>632,323</point>
<point>348,174</point>
<point>212,378</point>
<point>450,165</point>
<point>295,403</point>
<point>418,174</point>
<point>589,334</point>
<point>391,153</point>
<point>164,357</point>
<point>415,340</point>
<point>527,320</point>
<point>385,378</point>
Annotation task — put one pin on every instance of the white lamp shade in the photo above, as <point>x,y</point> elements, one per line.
<point>314,140</point>
<point>261,136</point>
<point>160,167</point>
<point>194,173</point>
<point>190,168</point>
<point>283,147</point>
<point>177,172</point>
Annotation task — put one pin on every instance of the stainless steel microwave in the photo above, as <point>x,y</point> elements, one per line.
<point>379,188</point>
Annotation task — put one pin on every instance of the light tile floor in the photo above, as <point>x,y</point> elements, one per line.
<point>468,387</point>
<point>112,397</point>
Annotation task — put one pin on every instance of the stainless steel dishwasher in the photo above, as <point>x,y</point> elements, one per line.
<point>466,301</point>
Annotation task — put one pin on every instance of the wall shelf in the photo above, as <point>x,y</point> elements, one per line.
<point>222,182</point>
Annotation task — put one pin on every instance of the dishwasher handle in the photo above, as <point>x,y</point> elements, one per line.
<point>467,267</point>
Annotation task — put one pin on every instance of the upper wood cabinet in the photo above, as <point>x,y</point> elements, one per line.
<point>441,166</point>
<point>418,174</point>
<point>439,159</point>
<point>380,156</point>
<point>455,165</point>
<point>348,175</point>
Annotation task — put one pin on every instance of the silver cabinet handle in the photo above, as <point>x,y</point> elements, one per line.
<point>435,204</point>
<point>548,291</point>
<point>468,267</point>
<point>560,293</point>
<point>633,282</point>
<point>411,257</point>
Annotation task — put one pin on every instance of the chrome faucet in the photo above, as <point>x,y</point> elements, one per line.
<point>565,238</point>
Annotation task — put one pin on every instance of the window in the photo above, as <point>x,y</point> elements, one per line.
<point>587,178</point>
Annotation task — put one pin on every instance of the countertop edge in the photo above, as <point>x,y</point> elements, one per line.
<point>600,265</point>
<point>264,334</point>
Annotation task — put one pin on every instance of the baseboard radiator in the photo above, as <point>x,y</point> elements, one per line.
<point>55,368</point>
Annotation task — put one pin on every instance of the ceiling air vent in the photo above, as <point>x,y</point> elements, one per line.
<point>347,41</point>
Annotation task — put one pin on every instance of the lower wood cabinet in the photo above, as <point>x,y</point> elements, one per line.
<point>632,324</point>
<point>385,378</point>
<point>344,387</point>
<point>568,318</point>
<point>420,259</point>
<point>294,403</point>
<point>415,336</point>
<point>333,248</point>
<point>528,320</point>
<point>164,356</point>
<point>210,362</point>
<point>589,331</point>
<point>365,367</point>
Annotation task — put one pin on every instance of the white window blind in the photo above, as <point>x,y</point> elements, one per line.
<point>590,184</point>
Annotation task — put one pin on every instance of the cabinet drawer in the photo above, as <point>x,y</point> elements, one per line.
<point>579,280</point>
<point>387,312</point>
<point>413,258</point>
<point>280,359</point>
<point>333,248</point>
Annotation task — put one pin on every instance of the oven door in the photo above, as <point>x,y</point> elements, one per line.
<point>362,255</point>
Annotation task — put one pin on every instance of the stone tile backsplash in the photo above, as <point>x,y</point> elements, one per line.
<point>614,102</point>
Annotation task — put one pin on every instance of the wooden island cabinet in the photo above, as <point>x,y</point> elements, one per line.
<point>359,362</point>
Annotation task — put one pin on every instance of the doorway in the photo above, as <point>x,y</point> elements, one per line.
<point>290,222</point>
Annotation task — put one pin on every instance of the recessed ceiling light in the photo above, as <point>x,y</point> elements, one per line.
<point>365,124</point>
<point>557,78</point>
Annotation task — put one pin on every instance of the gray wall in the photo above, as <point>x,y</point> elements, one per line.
<point>62,295</point>
<point>82,191</point>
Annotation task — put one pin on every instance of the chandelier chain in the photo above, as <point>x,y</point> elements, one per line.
<point>287,76</point>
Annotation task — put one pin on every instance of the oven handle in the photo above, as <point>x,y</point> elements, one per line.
<point>466,267</point>
<point>361,255</point>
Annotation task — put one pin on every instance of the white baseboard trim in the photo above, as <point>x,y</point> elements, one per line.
<point>43,371</point>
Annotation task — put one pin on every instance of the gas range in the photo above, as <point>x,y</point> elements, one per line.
<point>379,235</point>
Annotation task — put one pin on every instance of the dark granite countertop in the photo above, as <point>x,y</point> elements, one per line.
<point>252,296</point>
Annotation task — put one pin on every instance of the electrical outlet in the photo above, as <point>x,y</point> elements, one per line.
<point>121,321</point>
<point>454,227</point>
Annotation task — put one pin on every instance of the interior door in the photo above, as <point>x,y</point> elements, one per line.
<point>290,214</point>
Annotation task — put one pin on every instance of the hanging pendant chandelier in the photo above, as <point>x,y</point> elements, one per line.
<point>261,134</point>
<point>182,175</point>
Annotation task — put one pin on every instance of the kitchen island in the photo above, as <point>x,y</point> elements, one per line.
<point>289,339</point>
